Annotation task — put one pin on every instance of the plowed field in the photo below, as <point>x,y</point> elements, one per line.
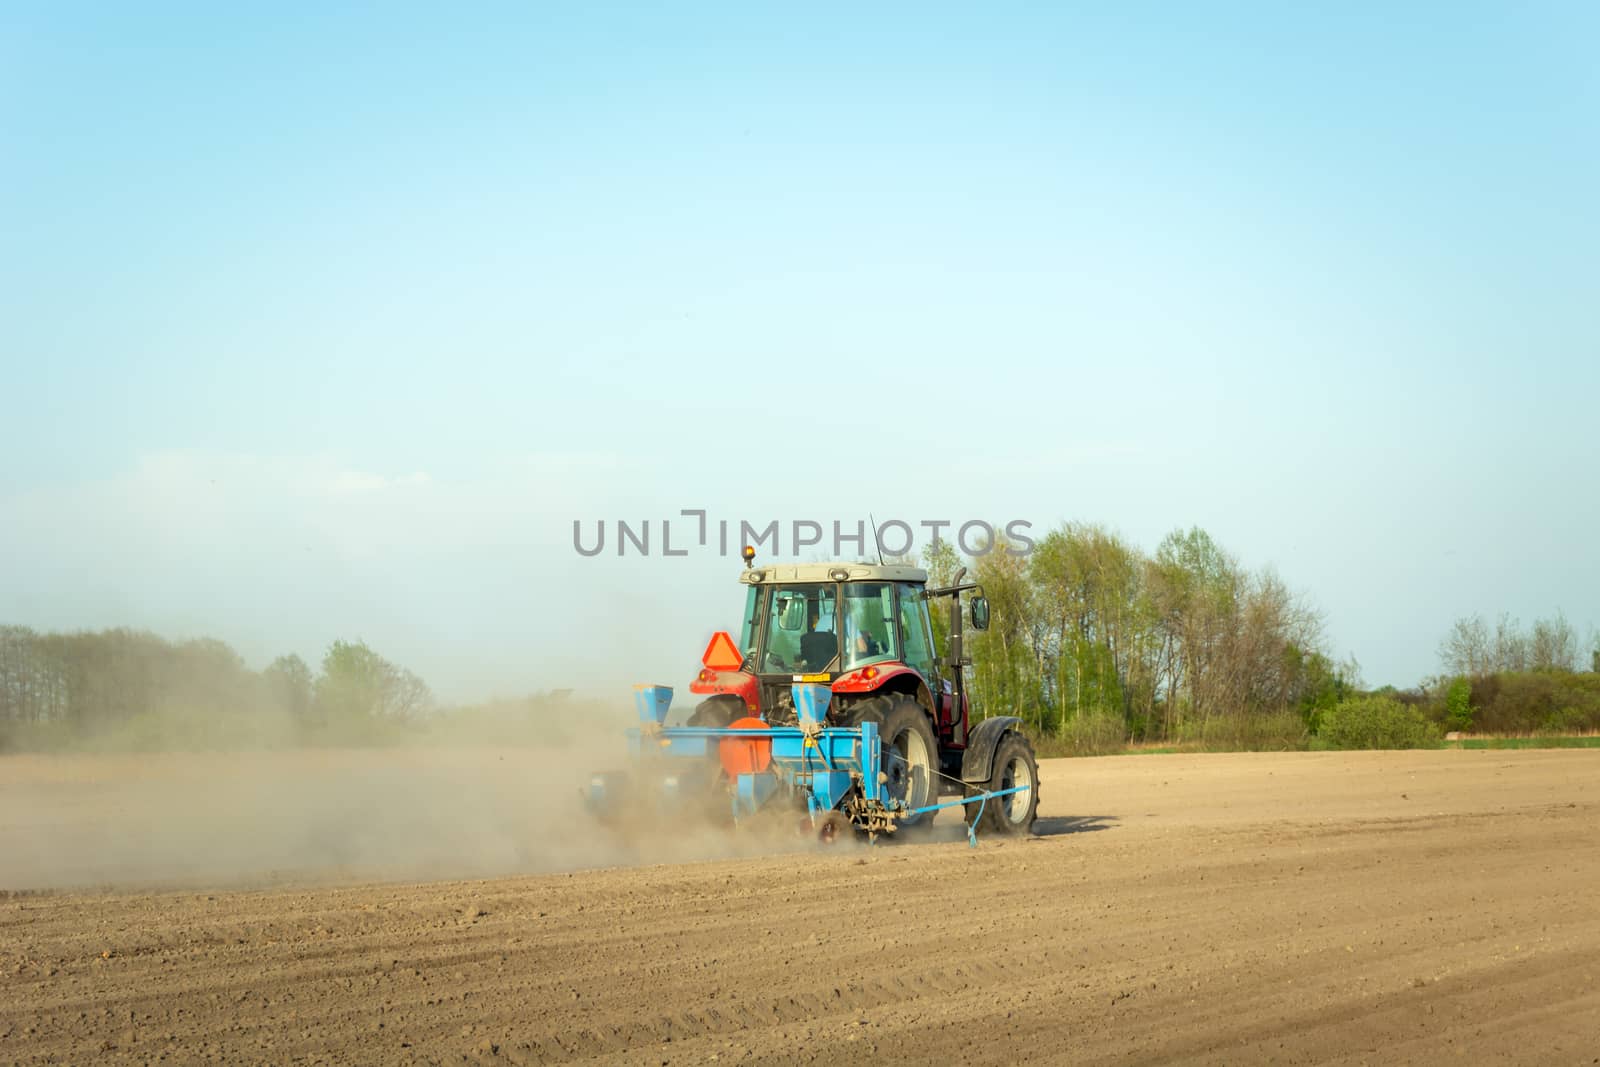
<point>1302,907</point>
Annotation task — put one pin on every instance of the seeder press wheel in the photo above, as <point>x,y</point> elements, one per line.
<point>833,827</point>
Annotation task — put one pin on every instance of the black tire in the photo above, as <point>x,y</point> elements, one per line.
<point>1014,765</point>
<point>850,712</point>
<point>718,711</point>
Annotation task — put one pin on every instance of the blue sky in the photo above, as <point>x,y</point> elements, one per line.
<point>321,323</point>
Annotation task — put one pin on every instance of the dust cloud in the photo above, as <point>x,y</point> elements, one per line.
<point>486,798</point>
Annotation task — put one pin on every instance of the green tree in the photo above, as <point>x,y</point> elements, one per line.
<point>941,561</point>
<point>1467,649</point>
<point>1458,704</point>
<point>290,686</point>
<point>1093,623</point>
<point>32,686</point>
<point>351,683</point>
<point>1510,650</point>
<point>1553,645</point>
<point>1199,586</point>
<point>1324,684</point>
<point>356,683</point>
<point>1005,676</point>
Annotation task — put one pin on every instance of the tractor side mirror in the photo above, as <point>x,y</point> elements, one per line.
<point>980,613</point>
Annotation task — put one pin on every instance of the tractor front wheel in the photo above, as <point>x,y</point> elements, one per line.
<point>1014,766</point>
<point>718,711</point>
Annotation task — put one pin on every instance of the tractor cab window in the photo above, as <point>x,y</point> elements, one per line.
<point>868,624</point>
<point>801,624</point>
<point>914,625</point>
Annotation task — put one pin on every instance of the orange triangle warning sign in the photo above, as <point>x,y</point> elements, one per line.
<point>722,654</point>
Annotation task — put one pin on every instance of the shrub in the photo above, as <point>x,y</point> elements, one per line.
<point>1094,734</point>
<point>1526,702</point>
<point>1377,722</point>
<point>1566,722</point>
<point>1281,731</point>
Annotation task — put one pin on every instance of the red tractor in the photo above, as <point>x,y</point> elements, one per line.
<point>864,631</point>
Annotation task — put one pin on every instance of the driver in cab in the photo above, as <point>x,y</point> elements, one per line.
<point>817,647</point>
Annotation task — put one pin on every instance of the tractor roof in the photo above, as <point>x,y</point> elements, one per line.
<point>833,572</point>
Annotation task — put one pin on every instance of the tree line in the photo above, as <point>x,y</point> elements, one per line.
<point>1471,649</point>
<point>1093,642</point>
<point>1511,679</point>
<point>1096,643</point>
<point>88,683</point>
<point>1093,638</point>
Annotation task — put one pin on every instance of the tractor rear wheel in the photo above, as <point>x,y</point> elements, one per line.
<point>910,756</point>
<point>1014,765</point>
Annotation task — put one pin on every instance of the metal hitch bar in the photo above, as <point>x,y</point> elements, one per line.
<point>981,798</point>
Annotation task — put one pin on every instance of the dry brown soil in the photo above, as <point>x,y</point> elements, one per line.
<point>1302,907</point>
